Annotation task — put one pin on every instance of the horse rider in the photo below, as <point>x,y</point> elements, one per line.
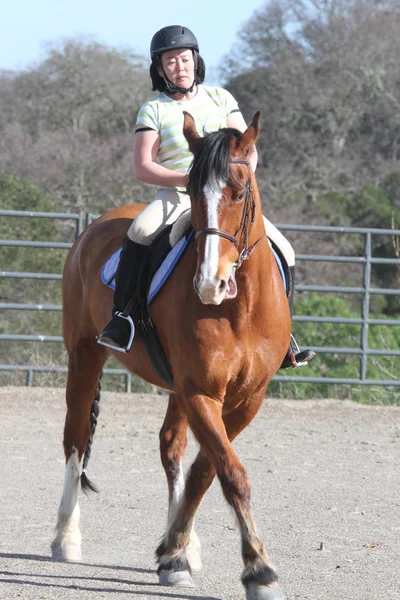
<point>162,158</point>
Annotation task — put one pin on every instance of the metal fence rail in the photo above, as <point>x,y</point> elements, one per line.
<point>29,370</point>
<point>81,220</point>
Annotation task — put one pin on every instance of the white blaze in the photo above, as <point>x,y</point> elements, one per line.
<point>209,268</point>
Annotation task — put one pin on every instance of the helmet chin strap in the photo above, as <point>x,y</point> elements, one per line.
<point>175,89</point>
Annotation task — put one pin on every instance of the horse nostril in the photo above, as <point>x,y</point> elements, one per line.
<point>222,285</point>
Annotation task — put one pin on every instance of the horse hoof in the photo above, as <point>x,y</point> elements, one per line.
<point>255,591</point>
<point>194,559</point>
<point>176,578</point>
<point>66,553</point>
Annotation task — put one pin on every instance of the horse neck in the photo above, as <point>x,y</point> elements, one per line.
<point>257,229</point>
<point>258,266</point>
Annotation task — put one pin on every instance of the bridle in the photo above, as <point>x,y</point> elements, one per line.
<point>248,215</point>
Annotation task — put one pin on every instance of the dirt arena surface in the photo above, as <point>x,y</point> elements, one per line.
<point>326,497</point>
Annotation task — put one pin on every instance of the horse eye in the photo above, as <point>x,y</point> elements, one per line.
<point>237,197</point>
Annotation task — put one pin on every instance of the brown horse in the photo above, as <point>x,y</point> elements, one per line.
<point>223,321</point>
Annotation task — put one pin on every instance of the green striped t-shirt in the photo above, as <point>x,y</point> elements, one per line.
<point>210,109</point>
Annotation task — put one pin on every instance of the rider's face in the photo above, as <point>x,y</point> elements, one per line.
<point>178,66</point>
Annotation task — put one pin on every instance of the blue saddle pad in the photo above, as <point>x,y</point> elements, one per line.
<point>110,267</point>
<point>164,271</point>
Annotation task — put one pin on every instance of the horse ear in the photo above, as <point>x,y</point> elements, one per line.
<point>250,136</point>
<point>190,132</point>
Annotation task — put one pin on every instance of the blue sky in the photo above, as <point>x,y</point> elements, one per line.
<point>27,25</point>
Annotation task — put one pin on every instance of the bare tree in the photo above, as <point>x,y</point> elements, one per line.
<point>68,124</point>
<point>325,76</point>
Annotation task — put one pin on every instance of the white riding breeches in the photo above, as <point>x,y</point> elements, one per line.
<point>169,204</point>
<point>279,239</point>
<point>166,207</point>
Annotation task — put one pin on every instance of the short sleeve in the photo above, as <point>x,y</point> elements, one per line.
<point>229,102</point>
<point>147,117</point>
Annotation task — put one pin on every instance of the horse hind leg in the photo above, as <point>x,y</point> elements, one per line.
<point>86,361</point>
<point>66,545</point>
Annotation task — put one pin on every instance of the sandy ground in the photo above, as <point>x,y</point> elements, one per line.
<point>326,497</point>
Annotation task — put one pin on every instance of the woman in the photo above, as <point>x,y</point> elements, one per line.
<point>162,158</point>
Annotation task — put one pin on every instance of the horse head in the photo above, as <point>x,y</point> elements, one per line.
<point>223,197</point>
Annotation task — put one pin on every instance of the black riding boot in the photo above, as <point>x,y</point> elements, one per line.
<point>295,357</point>
<point>118,334</point>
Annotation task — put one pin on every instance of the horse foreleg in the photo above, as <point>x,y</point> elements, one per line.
<point>178,550</point>
<point>199,479</point>
<point>173,440</point>
<point>214,434</point>
<point>259,577</point>
<point>86,361</point>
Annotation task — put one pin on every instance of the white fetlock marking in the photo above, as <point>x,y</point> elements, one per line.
<point>178,487</point>
<point>67,543</point>
<point>254,591</point>
<point>193,556</point>
<point>176,578</point>
<point>193,549</point>
<point>193,552</point>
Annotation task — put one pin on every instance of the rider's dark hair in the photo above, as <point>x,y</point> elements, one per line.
<point>158,82</point>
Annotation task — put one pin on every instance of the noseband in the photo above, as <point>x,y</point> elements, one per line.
<point>247,219</point>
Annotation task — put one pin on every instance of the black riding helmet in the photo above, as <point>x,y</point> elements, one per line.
<point>171,38</point>
<point>175,37</point>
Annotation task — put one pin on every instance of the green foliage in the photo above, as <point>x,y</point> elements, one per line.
<point>19,194</point>
<point>336,365</point>
<point>370,207</point>
<point>375,207</point>
<point>391,187</point>
<point>334,208</point>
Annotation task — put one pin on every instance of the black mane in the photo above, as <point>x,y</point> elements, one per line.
<point>211,162</point>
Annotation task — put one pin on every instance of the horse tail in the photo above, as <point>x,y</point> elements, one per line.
<point>86,484</point>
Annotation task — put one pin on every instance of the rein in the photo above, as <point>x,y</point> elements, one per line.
<point>247,220</point>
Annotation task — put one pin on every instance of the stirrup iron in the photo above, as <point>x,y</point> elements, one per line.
<point>125,348</point>
<point>295,351</point>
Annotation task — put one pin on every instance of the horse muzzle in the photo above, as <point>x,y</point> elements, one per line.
<point>215,291</point>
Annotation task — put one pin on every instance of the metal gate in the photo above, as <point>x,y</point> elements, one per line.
<point>365,289</point>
